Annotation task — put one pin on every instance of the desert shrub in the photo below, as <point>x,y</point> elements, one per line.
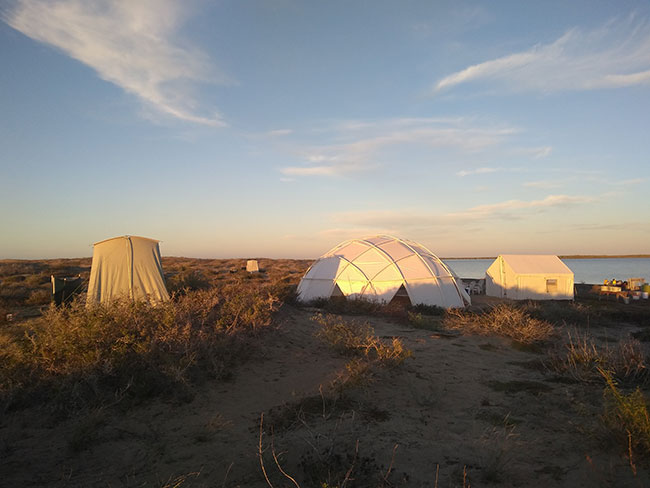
<point>626,416</point>
<point>501,320</point>
<point>562,312</point>
<point>39,297</point>
<point>341,465</point>
<point>356,372</point>
<point>14,292</point>
<point>347,306</point>
<point>187,280</point>
<point>581,357</point>
<point>86,354</point>
<point>357,338</point>
<point>37,280</point>
<point>284,289</point>
<point>497,447</point>
<point>19,268</point>
<point>348,336</point>
<point>426,322</point>
<point>13,279</point>
<point>427,310</point>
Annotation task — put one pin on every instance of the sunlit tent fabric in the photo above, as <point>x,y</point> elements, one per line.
<point>376,268</point>
<point>127,266</point>
<point>252,266</point>
<point>529,277</point>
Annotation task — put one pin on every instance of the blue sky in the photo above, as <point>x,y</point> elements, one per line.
<point>279,128</point>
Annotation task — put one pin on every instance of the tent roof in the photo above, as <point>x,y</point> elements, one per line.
<point>390,250</point>
<point>126,237</point>
<point>536,264</point>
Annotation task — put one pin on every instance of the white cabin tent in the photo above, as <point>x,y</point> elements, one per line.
<point>529,277</point>
<point>377,268</point>
<point>127,266</point>
<point>252,266</point>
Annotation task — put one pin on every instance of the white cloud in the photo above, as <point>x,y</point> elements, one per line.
<point>543,184</point>
<point>361,145</point>
<point>279,132</point>
<point>477,171</point>
<point>131,44</point>
<point>311,171</point>
<point>615,55</point>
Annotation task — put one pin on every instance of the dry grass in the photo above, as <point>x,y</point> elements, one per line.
<point>501,320</point>
<point>81,356</point>
<point>357,338</point>
<point>626,416</point>
<point>75,357</point>
<point>581,357</point>
<point>426,322</point>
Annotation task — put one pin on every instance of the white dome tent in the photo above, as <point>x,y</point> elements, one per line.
<point>376,268</point>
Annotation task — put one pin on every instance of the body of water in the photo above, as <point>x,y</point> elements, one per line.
<point>585,270</point>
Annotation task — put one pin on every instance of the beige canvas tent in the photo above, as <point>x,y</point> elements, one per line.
<point>529,277</point>
<point>377,268</point>
<point>127,266</point>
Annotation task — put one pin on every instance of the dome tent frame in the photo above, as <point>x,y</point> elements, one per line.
<point>425,278</point>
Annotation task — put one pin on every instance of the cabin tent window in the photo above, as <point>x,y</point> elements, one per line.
<point>551,286</point>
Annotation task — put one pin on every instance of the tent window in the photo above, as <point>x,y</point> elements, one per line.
<point>551,286</point>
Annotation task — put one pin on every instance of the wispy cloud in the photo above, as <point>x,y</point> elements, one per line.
<point>630,182</point>
<point>629,226</point>
<point>313,170</point>
<point>615,55</point>
<point>409,219</point>
<point>506,209</point>
<point>543,184</point>
<point>360,145</point>
<point>279,132</point>
<point>132,44</point>
<point>477,171</point>
<point>534,152</point>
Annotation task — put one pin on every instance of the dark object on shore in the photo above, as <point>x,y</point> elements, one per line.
<point>64,289</point>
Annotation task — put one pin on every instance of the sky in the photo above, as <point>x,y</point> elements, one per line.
<point>279,128</point>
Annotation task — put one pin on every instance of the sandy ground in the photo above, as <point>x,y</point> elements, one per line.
<point>460,404</point>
